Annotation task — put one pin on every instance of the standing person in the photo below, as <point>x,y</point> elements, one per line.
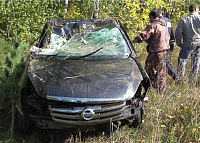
<point>170,69</point>
<point>188,29</point>
<point>157,37</point>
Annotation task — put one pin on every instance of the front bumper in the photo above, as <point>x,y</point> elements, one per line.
<point>53,123</point>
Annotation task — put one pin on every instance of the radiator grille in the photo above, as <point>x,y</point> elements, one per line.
<point>82,114</point>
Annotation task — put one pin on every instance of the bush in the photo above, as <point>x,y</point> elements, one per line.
<point>12,65</point>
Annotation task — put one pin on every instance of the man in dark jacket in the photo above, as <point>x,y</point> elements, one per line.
<point>157,37</point>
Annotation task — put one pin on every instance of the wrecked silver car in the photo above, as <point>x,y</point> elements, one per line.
<point>82,74</point>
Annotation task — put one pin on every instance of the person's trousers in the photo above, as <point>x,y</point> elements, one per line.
<point>155,67</point>
<point>184,55</point>
<point>170,69</point>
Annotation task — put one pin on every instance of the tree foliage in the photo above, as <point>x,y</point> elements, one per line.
<point>23,20</point>
<point>11,68</point>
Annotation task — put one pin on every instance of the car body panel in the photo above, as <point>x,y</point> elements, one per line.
<point>95,79</point>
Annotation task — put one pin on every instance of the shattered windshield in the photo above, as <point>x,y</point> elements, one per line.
<point>85,40</point>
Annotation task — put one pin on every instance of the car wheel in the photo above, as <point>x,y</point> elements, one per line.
<point>25,125</point>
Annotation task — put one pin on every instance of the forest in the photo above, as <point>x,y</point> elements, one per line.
<point>172,117</point>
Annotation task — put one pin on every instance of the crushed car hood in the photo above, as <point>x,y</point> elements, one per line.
<point>94,79</point>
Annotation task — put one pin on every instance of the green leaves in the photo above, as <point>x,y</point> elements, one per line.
<point>24,20</point>
<point>11,68</point>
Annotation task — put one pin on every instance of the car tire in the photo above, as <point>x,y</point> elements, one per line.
<point>25,125</point>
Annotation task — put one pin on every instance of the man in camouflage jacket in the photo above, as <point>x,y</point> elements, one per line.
<point>157,37</point>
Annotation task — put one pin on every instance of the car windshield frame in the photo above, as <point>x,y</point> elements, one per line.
<point>85,38</point>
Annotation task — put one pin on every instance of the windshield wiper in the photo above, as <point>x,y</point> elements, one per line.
<point>92,53</point>
<point>69,57</point>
